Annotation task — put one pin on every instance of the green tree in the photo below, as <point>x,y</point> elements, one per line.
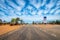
<point>17,20</point>
<point>13,21</point>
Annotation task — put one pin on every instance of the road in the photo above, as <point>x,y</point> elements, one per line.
<point>28,32</point>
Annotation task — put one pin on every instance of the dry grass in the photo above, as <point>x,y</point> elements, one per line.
<point>49,27</point>
<point>7,28</point>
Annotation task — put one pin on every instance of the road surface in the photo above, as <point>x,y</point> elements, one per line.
<point>28,32</point>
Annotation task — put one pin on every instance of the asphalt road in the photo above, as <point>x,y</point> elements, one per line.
<point>28,33</point>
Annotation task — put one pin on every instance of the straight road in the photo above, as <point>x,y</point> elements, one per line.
<point>28,32</point>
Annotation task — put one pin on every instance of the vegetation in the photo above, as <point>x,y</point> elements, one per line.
<point>21,21</point>
<point>0,21</point>
<point>4,22</point>
<point>50,22</point>
<point>12,21</point>
<point>15,21</point>
<point>55,22</point>
<point>34,22</point>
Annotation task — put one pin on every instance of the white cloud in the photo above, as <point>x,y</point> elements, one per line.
<point>12,4</point>
<point>19,8</point>
<point>33,2</point>
<point>40,12</point>
<point>53,10</point>
<point>53,17</point>
<point>33,13</point>
<point>31,18</point>
<point>58,3</point>
<point>57,12</point>
<point>18,13</point>
<point>2,5</point>
<point>21,2</point>
<point>30,7</point>
<point>50,5</point>
<point>46,11</point>
<point>44,2</point>
<point>1,13</point>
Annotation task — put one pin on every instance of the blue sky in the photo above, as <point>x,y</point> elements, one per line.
<point>30,10</point>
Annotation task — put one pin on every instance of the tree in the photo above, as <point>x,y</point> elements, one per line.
<point>52,22</point>
<point>13,21</point>
<point>33,22</point>
<point>0,21</point>
<point>57,21</point>
<point>21,21</point>
<point>17,19</point>
<point>4,22</point>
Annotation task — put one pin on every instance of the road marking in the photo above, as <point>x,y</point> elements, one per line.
<point>52,34</point>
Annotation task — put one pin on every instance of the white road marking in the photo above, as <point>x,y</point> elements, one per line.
<point>52,34</point>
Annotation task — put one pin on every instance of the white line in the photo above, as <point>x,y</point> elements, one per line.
<point>52,34</point>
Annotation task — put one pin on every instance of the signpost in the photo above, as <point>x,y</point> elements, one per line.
<point>44,20</point>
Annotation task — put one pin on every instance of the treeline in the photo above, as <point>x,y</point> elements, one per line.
<point>18,21</point>
<point>49,22</point>
<point>55,22</point>
<point>14,21</point>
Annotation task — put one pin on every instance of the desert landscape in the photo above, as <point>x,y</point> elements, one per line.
<point>7,28</point>
<point>27,30</point>
<point>29,19</point>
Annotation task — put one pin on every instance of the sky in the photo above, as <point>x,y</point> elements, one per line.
<point>30,10</point>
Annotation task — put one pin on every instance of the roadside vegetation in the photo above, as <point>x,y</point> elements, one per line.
<point>18,21</point>
<point>0,22</point>
<point>14,21</point>
<point>55,22</point>
<point>50,22</point>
